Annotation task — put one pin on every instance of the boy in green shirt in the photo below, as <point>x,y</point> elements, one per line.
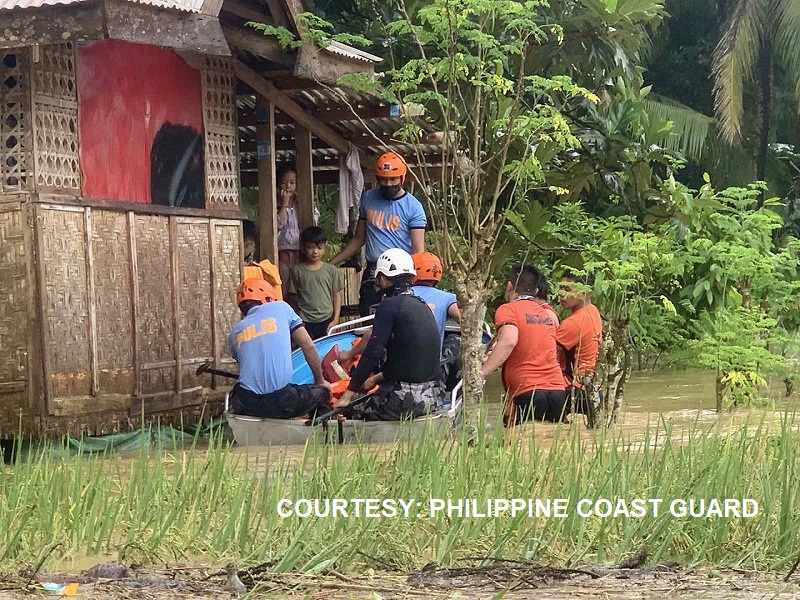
<point>316,285</point>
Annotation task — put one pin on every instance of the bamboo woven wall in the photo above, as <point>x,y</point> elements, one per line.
<point>113,297</point>
<point>129,305</point>
<point>227,275</point>
<point>155,319</point>
<point>15,322</point>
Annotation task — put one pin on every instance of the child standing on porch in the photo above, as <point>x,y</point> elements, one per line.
<point>316,285</point>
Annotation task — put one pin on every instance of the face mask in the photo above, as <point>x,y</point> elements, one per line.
<point>390,191</point>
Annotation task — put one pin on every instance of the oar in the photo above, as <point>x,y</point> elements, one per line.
<point>324,418</point>
<point>206,368</point>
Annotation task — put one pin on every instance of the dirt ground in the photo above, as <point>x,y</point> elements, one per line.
<point>507,580</point>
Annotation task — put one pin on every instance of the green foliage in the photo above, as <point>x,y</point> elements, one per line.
<point>691,130</point>
<point>735,343</point>
<point>320,32</point>
<point>285,37</point>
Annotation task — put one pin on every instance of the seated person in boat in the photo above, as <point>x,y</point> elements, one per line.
<point>261,344</point>
<point>443,304</point>
<point>526,351</point>
<point>405,330</point>
<point>578,338</point>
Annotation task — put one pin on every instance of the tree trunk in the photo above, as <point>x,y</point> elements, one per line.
<point>765,83</point>
<point>613,369</point>
<point>719,387</point>
<point>473,310</point>
<point>618,357</point>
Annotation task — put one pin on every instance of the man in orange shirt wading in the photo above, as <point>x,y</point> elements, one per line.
<point>526,350</point>
<point>579,337</point>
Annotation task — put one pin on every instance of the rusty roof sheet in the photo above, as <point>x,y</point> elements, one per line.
<point>186,5</point>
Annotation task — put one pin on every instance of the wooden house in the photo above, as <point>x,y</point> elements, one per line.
<point>127,128</point>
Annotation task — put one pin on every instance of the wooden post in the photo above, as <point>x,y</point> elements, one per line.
<point>212,258</point>
<point>47,371</point>
<point>305,176</point>
<point>267,213</point>
<point>92,297</point>
<point>134,274</point>
<point>176,300</point>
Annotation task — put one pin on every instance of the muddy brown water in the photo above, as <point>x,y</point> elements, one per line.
<point>680,400</point>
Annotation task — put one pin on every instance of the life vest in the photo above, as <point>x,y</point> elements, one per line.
<point>339,374</point>
<point>267,271</point>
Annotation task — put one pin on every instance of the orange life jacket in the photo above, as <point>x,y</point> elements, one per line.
<point>267,271</point>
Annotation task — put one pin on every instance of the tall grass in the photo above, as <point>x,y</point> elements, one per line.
<point>168,505</point>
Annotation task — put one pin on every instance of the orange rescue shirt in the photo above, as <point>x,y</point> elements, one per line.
<point>580,334</point>
<point>533,364</point>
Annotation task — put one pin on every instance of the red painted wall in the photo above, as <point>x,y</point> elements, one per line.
<point>127,92</point>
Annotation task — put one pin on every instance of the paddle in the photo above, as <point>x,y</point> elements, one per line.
<point>206,368</point>
<point>324,418</point>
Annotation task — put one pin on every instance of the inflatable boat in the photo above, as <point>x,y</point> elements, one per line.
<point>252,431</point>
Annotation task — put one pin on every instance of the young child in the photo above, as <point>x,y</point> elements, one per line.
<point>316,285</point>
<point>288,220</point>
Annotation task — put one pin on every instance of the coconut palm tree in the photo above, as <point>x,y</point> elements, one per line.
<point>759,35</point>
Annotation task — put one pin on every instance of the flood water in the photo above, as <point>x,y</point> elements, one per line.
<point>667,391</point>
<point>680,400</point>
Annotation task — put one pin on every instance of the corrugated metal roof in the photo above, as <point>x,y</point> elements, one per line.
<point>350,52</point>
<point>186,5</point>
<point>9,4</point>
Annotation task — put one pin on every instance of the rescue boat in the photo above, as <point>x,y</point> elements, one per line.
<point>254,431</point>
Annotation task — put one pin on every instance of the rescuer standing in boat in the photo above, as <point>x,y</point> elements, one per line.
<point>405,329</point>
<point>261,344</point>
<point>389,217</point>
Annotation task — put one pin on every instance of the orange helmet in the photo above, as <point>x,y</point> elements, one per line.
<point>255,289</point>
<point>391,164</point>
<point>428,267</point>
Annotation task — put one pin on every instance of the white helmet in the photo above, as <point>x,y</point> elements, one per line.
<point>395,262</point>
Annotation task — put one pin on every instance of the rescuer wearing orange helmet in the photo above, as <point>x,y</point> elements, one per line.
<point>444,306</point>
<point>262,345</point>
<point>389,217</point>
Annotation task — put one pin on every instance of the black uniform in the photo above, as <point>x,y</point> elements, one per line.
<point>405,329</point>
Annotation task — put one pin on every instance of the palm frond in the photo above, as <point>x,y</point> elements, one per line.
<point>690,129</point>
<point>786,19</point>
<point>734,61</point>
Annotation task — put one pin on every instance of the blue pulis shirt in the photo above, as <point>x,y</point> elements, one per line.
<point>439,302</point>
<point>262,345</point>
<point>389,222</point>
